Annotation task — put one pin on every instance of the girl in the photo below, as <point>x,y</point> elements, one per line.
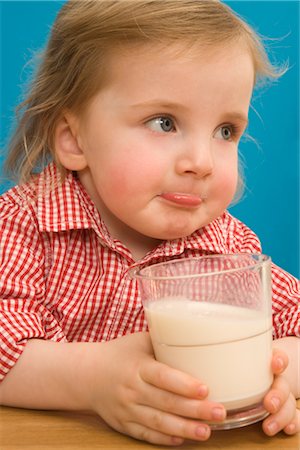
<point>136,113</point>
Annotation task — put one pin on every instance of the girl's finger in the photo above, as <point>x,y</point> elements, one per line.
<point>279,362</point>
<point>278,395</point>
<point>294,426</point>
<point>170,425</point>
<point>172,380</point>
<point>277,422</point>
<point>182,406</point>
<point>143,433</point>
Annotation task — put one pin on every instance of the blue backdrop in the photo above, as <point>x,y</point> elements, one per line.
<point>271,202</point>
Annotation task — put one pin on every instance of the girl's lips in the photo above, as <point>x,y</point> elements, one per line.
<point>188,200</point>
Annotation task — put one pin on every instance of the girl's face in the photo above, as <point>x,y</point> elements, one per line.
<point>160,139</point>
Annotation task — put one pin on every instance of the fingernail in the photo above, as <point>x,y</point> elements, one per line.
<point>202,432</point>
<point>291,428</point>
<point>280,363</point>
<point>203,390</point>
<point>176,440</point>
<point>275,403</point>
<point>218,414</point>
<point>272,427</point>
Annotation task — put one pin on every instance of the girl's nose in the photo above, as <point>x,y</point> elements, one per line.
<point>197,160</point>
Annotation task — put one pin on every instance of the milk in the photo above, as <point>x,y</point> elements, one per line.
<point>227,347</point>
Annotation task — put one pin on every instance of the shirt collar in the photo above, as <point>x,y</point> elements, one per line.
<point>209,239</point>
<point>64,206</point>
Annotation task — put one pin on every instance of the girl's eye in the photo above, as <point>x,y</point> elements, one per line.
<point>226,132</point>
<point>161,124</point>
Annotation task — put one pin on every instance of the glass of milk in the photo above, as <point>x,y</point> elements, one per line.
<point>211,317</point>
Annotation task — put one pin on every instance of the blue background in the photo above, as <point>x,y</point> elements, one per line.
<point>270,205</point>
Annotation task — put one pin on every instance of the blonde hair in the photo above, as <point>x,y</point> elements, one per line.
<point>84,34</point>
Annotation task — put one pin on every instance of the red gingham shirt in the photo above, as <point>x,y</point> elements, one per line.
<point>64,278</point>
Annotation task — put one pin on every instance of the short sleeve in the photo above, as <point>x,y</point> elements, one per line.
<point>286,303</point>
<point>22,284</point>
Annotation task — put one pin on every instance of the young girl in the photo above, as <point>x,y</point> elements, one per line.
<point>137,109</point>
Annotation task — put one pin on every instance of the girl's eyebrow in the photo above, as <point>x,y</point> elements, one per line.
<point>237,116</point>
<point>159,102</point>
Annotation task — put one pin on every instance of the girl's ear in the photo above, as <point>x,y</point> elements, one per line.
<point>67,145</point>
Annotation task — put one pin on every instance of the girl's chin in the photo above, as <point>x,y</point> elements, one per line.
<point>171,230</point>
<point>171,236</point>
<point>172,233</point>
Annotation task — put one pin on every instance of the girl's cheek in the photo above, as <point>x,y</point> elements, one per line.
<point>227,184</point>
<point>132,175</point>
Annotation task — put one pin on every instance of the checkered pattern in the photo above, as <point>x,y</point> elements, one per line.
<point>64,278</point>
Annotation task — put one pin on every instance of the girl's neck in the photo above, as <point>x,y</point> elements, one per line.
<point>139,248</point>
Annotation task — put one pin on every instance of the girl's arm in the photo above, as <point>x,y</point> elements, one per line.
<point>49,375</point>
<point>120,380</point>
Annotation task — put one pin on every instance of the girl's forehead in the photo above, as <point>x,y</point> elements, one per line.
<point>174,53</point>
<point>172,75</point>
<point>146,70</point>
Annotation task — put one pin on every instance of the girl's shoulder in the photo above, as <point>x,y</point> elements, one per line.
<point>19,198</point>
<point>19,224</point>
<point>25,198</point>
<point>238,235</point>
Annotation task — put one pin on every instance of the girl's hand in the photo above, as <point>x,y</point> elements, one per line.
<point>280,402</point>
<point>138,396</point>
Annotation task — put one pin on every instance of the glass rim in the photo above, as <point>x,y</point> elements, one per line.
<point>262,259</point>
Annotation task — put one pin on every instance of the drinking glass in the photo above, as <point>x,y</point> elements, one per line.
<point>211,317</point>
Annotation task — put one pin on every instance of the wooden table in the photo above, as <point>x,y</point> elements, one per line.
<point>51,430</point>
